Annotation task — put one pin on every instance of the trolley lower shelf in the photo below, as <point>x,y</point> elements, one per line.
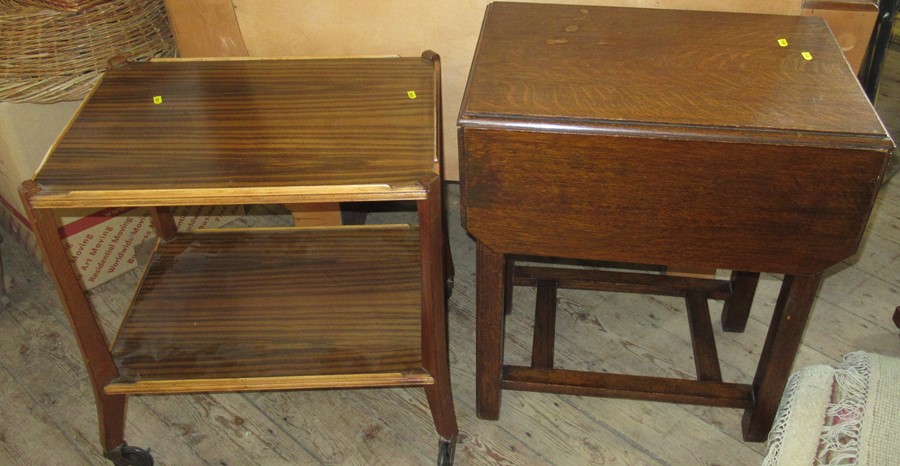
<point>273,309</point>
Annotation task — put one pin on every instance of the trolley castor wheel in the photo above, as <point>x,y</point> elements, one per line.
<point>446,450</point>
<point>124,455</point>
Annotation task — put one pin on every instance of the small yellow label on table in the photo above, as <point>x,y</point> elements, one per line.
<point>783,42</point>
<point>806,56</point>
<point>157,99</point>
<point>411,94</point>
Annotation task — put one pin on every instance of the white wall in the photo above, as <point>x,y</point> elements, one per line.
<point>26,133</point>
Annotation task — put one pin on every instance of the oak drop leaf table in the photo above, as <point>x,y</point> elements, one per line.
<point>260,308</point>
<point>697,139</point>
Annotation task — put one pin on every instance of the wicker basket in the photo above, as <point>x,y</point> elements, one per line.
<point>49,55</point>
<point>64,5</point>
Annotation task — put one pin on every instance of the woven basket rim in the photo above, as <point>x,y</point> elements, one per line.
<point>61,5</point>
<point>51,55</point>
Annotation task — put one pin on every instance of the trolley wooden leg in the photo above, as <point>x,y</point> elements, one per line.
<point>435,353</point>
<point>449,269</point>
<point>164,223</point>
<point>437,285</point>
<point>111,415</point>
<point>88,331</point>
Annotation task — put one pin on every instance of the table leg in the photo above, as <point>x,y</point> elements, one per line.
<point>490,271</point>
<point>703,340</point>
<point>736,309</point>
<point>509,268</point>
<point>782,341</point>
<point>542,345</point>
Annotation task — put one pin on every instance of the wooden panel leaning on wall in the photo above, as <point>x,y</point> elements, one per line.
<point>851,22</point>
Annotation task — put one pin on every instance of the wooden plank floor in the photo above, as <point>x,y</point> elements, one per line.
<point>47,414</point>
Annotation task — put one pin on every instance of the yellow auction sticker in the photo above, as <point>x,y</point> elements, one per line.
<point>411,94</point>
<point>783,42</point>
<point>806,56</point>
<point>157,99</point>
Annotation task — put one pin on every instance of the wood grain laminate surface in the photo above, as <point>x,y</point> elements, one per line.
<point>231,305</point>
<point>261,125</point>
<point>636,70</point>
<point>260,309</point>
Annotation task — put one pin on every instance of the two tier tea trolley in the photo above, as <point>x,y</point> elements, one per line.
<point>250,309</point>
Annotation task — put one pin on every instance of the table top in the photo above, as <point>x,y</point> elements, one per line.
<point>709,75</point>
<point>181,131</point>
<point>666,137</point>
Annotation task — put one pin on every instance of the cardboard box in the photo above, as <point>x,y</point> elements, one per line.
<point>102,243</point>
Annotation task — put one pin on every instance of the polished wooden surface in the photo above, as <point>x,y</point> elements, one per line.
<point>589,68</point>
<point>776,208</point>
<point>241,304</point>
<point>693,122</point>
<point>256,127</point>
<point>662,137</point>
<point>760,159</point>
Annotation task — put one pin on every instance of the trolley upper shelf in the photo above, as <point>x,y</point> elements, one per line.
<point>207,132</point>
